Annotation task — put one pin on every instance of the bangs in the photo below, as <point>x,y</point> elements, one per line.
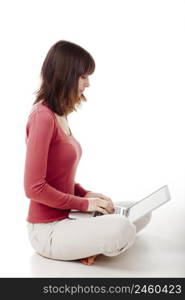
<point>86,65</point>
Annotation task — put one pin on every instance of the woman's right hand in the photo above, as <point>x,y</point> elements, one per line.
<point>97,204</point>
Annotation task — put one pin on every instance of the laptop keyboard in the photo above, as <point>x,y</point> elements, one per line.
<point>118,210</point>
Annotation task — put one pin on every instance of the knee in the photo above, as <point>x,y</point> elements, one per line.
<point>123,229</point>
<point>121,236</point>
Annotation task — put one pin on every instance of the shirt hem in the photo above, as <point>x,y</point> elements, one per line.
<point>46,221</point>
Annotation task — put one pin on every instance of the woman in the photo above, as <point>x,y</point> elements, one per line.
<point>51,162</point>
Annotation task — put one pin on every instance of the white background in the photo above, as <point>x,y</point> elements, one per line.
<point>132,127</point>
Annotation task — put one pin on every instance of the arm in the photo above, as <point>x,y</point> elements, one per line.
<point>80,191</point>
<point>35,185</point>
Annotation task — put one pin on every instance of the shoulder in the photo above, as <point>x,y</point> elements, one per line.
<point>41,117</point>
<point>41,112</point>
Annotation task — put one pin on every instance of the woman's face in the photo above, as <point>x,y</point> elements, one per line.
<point>83,82</point>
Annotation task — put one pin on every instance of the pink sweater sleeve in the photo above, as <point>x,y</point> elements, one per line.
<point>79,190</point>
<point>40,134</point>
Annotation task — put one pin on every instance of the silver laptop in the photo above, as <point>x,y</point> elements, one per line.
<point>136,210</point>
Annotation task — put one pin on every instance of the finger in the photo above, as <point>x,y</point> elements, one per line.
<point>110,203</point>
<point>104,197</point>
<point>110,210</point>
<point>104,204</point>
<point>103,211</point>
<point>107,199</point>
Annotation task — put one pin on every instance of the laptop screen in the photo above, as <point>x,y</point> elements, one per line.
<point>151,202</point>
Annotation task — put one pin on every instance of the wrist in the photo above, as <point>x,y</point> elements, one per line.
<point>88,194</point>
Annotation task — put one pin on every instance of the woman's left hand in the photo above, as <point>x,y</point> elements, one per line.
<point>99,195</point>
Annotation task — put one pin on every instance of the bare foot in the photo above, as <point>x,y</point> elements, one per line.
<point>88,260</point>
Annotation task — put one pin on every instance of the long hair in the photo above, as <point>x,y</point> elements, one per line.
<point>65,62</point>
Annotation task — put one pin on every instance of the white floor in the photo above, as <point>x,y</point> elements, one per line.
<point>159,251</point>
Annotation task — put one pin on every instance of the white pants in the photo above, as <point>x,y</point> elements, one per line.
<point>71,239</point>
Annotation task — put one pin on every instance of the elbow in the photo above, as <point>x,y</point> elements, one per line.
<point>33,190</point>
<point>29,192</point>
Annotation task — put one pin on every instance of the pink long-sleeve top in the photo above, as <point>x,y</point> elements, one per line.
<point>51,162</point>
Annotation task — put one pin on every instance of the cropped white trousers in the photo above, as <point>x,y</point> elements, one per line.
<point>73,239</point>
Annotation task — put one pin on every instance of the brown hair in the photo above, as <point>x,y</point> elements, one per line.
<point>60,72</point>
